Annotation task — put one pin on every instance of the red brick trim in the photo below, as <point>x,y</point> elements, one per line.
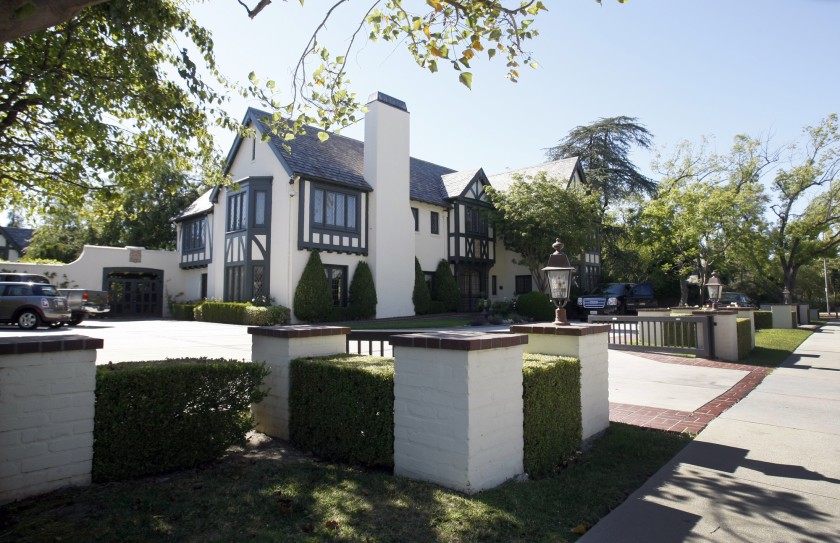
<point>299,331</point>
<point>455,341</point>
<point>565,330</point>
<point>684,421</point>
<point>27,345</point>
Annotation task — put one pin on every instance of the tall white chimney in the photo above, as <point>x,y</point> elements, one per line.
<point>391,227</point>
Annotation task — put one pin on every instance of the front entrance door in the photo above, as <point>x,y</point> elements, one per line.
<point>470,283</point>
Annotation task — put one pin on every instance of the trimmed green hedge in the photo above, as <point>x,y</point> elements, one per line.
<point>763,320</point>
<point>242,313</point>
<point>744,337</point>
<point>341,407</point>
<point>153,417</point>
<point>536,305</point>
<point>553,427</point>
<point>184,312</point>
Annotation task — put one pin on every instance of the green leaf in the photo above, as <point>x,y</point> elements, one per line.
<point>466,79</point>
<point>323,136</point>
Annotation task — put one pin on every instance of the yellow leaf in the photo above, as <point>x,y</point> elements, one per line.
<point>466,79</point>
<point>580,529</point>
<point>468,54</point>
<point>323,136</point>
<point>427,31</point>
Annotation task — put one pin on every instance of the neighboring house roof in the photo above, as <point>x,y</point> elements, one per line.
<point>562,170</point>
<point>457,182</point>
<point>201,206</point>
<point>18,237</point>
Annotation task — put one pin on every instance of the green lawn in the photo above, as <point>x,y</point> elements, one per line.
<point>773,345</point>
<point>258,497</point>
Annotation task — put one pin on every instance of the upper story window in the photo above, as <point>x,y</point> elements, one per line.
<point>260,200</point>
<point>416,214</point>
<point>335,210</point>
<point>237,211</point>
<point>435,222</point>
<point>194,235</point>
<point>474,221</point>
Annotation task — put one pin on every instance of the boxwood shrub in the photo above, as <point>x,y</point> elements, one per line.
<point>536,306</point>
<point>341,407</point>
<point>763,320</point>
<point>744,340</point>
<point>553,427</point>
<point>242,313</point>
<point>153,417</point>
<point>184,312</point>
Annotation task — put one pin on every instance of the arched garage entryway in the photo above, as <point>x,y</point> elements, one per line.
<point>135,292</point>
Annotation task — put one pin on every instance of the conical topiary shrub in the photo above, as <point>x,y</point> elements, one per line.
<point>362,293</point>
<point>445,288</point>
<point>421,297</point>
<point>313,295</point>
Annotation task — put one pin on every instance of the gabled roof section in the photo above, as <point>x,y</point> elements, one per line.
<point>19,237</point>
<point>338,160</point>
<point>426,182</point>
<point>458,182</point>
<point>562,170</point>
<point>203,205</point>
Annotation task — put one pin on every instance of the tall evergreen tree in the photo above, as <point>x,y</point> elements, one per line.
<point>603,148</point>
<point>362,293</point>
<point>445,287</point>
<point>421,296</point>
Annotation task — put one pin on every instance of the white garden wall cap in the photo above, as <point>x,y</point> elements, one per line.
<point>459,341</point>
<point>298,331</point>
<point>714,312</point>
<point>550,328</point>
<point>25,345</point>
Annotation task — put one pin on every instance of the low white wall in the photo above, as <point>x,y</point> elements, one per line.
<point>46,414</point>
<point>458,409</point>
<point>277,347</point>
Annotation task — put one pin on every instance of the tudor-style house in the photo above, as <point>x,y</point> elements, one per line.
<point>13,242</point>
<point>352,201</point>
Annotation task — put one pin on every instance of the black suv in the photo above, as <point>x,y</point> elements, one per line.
<point>30,305</point>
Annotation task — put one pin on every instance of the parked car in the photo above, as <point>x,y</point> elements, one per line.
<point>83,303</point>
<point>736,299</point>
<point>30,305</point>
<point>617,298</point>
<point>24,278</point>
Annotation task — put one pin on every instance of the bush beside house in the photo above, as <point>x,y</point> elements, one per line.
<point>444,289</point>
<point>421,297</point>
<point>313,300</point>
<point>536,306</point>
<point>362,293</point>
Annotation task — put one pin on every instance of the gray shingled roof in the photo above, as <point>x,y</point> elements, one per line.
<point>201,206</point>
<point>456,182</point>
<point>19,236</point>
<point>559,169</point>
<point>340,160</point>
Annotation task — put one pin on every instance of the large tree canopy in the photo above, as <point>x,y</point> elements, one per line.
<point>533,213</point>
<point>603,148</point>
<point>92,105</point>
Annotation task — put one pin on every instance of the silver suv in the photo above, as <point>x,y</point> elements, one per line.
<point>30,305</point>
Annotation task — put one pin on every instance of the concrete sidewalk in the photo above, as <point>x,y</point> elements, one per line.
<point>768,469</point>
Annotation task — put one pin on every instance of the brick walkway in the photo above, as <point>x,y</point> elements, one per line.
<point>685,421</point>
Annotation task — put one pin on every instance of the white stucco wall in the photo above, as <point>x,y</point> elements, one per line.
<point>87,270</point>
<point>506,271</point>
<point>430,248</point>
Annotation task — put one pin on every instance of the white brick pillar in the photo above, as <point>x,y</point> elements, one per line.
<point>458,408</point>
<point>724,333</point>
<point>803,314</point>
<point>589,343</point>
<point>47,396</point>
<point>277,346</point>
<point>784,316</point>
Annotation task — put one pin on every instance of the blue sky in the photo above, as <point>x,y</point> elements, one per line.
<point>684,69</point>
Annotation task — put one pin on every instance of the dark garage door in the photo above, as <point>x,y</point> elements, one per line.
<point>135,293</point>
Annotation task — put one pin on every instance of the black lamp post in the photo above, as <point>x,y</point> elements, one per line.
<point>559,275</point>
<point>714,288</point>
